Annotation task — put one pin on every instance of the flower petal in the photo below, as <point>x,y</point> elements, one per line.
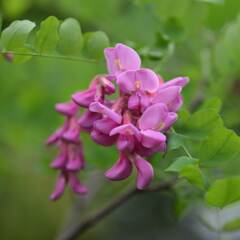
<point>103,139</point>
<point>128,129</point>
<point>121,58</point>
<point>153,117</point>
<point>76,185</point>
<point>121,170</point>
<point>179,81</point>
<point>59,187</point>
<point>100,108</point>
<point>105,125</point>
<point>152,139</point>
<point>68,109</point>
<point>148,80</point>
<point>171,96</point>
<point>84,98</point>
<point>144,172</point>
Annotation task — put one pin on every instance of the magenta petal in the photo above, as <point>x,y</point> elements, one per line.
<point>128,129</point>
<point>179,81</point>
<point>153,117</point>
<point>72,134</point>
<point>148,80</point>
<point>151,139</point>
<point>76,158</point>
<point>140,80</point>
<point>84,98</point>
<point>171,96</point>
<point>103,139</point>
<point>108,86</point>
<point>169,121</point>
<point>61,159</point>
<point>121,170</point>
<point>59,188</point>
<point>126,143</point>
<point>76,185</point>
<point>58,134</point>
<point>87,120</point>
<point>100,108</point>
<point>144,172</point>
<point>105,125</point>
<point>68,109</point>
<point>121,58</point>
<point>134,102</point>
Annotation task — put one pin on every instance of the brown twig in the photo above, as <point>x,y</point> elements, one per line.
<point>92,220</point>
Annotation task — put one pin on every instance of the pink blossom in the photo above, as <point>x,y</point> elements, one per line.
<point>121,58</point>
<point>135,120</point>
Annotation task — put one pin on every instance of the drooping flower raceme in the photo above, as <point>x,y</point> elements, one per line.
<point>136,121</point>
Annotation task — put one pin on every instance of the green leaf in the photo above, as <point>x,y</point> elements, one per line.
<point>223,192</point>
<point>214,104</point>
<point>181,162</point>
<point>176,140</point>
<point>221,145</point>
<point>15,36</point>
<point>96,42</point>
<point>193,174</point>
<point>47,36</point>
<point>70,37</point>
<point>233,225</point>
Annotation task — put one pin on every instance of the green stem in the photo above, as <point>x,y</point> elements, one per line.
<point>52,56</point>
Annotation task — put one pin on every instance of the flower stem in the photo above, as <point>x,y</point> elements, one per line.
<point>51,56</point>
<point>92,220</point>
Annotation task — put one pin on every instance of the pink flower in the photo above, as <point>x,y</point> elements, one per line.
<point>157,117</point>
<point>100,108</point>
<point>123,169</point>
<point>142,80</point>
<point>135,120</point>
<point>121,58</point>
<point>127,136</point>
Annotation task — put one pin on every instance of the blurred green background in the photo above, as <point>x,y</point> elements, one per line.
<point>199,39</point>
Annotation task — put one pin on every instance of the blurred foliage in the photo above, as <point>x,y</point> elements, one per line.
<point>196,38</point>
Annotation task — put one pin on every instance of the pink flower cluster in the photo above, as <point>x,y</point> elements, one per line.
<point>135,121</point>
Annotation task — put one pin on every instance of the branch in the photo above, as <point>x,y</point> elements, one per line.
<point>92,220</point>
<point>52,56</point>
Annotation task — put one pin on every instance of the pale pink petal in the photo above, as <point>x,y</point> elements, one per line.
<point>121,58</point>
<point>169,121</point>
<point>153,117</point>
<point>179,81</point>
<point>121,170</point>
<point>144,172</point>
<point>147,79</point>
<point>127,81</point>
<point>152,139</point>
<point>84,98</point>
<point>171,96</point>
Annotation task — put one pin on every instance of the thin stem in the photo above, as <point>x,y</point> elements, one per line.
<point>92,220</point>
<point>51,56</point>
